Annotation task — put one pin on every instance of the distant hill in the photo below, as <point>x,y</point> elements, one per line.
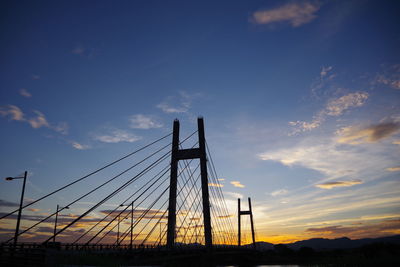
<point>329,244</point>
<point>341,243</point>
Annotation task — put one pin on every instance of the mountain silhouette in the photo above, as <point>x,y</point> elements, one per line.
<point>330,244</point>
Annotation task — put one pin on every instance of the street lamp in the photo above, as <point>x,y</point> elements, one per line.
<point>20,204</point>
<point>55,222</point>
<point>122,205</point>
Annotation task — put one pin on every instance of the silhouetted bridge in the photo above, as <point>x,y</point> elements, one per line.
<point>170,201</point>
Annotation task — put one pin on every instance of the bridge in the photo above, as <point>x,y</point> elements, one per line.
<point>170,200</point>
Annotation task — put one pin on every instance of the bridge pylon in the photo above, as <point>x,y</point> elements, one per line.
<point>246,212</point>
<point>186,154</point>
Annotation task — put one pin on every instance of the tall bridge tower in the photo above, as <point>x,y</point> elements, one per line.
<point>185,154</point>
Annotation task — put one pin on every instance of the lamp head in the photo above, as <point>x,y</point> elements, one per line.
<point>9,178</point>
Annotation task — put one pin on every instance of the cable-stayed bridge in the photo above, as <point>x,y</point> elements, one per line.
<point>169,197</point>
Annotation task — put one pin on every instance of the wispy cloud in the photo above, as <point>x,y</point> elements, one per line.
<point>326,75</point>
<point>79,146</point>
<point>234,195</point>
<point>140,121</point>
<point>390,77</point>
<point>237,184</point>
<point>61,127</point>
<point>330,185</point>
<point>35,77</point>
<point>393,169</point>
<point>280,192</point>
<point>177,104</point>
<point>167,108</point>
<point>371,134</point>
<point>382,228</point>
<point>295,14</point>
<point>4,203</point>
<point>78,50</point>
<point>325,71</point>
<point>117,136</point>
<point>33,209</point>
<point>215,185</point>
<point>38,121</point>
<point>14,113</point>
<point>334,107</point>
<point>25,93</point>
<point>333,160</point>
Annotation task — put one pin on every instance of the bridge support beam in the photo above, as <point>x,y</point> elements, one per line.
<point>184,154</point>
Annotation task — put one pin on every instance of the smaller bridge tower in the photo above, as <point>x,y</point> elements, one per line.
<point>246,212</point>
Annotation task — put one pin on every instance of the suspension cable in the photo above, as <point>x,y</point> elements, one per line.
<point>86,176</point>
<point>111,195</point>
<point>123,203</point>
<point>93,190</point>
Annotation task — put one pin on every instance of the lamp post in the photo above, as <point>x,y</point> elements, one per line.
<point>20,204</point>
<point>130,244</point>
<point>55,222</point>
<point>131,224</point>
<point>118,232</point>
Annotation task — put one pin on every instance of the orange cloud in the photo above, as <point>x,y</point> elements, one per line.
<point>387,227</point>
<point>355,135</point>
<point>215,185</point>
<point>393,169</point>
<point>237,184</point>
<point>330,185</point>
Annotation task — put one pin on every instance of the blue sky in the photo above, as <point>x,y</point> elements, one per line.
<point>300,100</point>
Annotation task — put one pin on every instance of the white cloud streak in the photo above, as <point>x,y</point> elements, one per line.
<point>335,161</point>
<point>279,192</point>
<point>117,136</point>
<point>140,121</point>
<point>25,93</point>
<point>295,14</point>
<point>79,146</point>
<point>177,104</point>
<point>390,77</point>
<point>334,107</point>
